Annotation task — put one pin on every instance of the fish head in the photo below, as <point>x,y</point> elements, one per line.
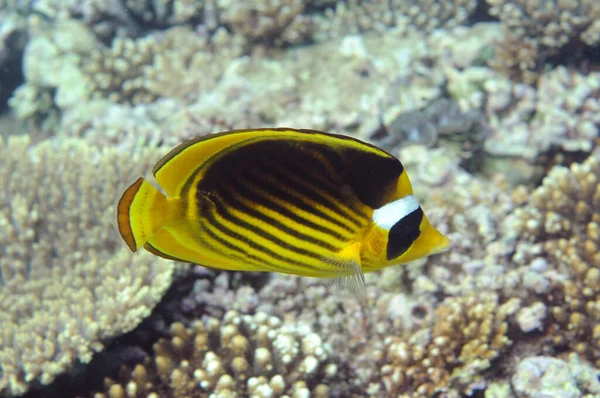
<point>404,233</point>
<point>429,241</point>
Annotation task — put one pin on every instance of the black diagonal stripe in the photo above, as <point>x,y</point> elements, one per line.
<point>308,162</point>
<point>224,212</point>
<point>231,198</point>
<point>305,162</point>
<point>404,233</point>
<point>266,201</point>
<point>303,187</point>
<point>242,254</point>
<point>260,182</point>
<point>265,196</point>
<point>331,160</point>
<point>222,229</point>
<point>300,160</point>
<point>227,214</point>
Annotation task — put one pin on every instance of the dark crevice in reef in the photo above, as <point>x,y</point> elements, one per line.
<point>11,70</point>
<point>480,14</point>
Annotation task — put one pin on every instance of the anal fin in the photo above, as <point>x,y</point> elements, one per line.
<point>350,279</point>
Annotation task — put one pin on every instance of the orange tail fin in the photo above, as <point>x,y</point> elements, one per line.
<point>142,211</point>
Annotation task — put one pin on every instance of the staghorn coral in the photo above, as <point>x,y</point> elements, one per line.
<point>240,355</point>
<point>467,334</point>
<point>536,30</point>
<point>67,283</point>
<point>265,22</point>
<point>561,225</point>
<point>50,63</point>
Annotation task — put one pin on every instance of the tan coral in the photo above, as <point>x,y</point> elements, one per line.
<point>177,63</point>
<point>273,21</point>
<point>468,333</point>
<point>165,12</point>
<point>561,222</point>
<point>236,356</point>
<point>67,282</point>
<point>360,16</point>
<point>66,57</point>
<point>536,30</point>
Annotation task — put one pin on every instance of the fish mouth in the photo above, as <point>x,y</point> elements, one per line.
<point>443,244</point>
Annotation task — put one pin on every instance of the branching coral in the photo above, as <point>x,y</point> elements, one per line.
<point>561,225</point>
<point>276,21</point>
<point>103,17</point>
<point>67,283</point>
<point>176,63</point>
<point>167,12</point>
<point>66,57</point>
<point>359,16</point>
<point>467,334</point>
<point>536,30</point>
<point>240,355</point>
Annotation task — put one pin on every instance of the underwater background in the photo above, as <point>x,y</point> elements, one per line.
<point>492,106</point>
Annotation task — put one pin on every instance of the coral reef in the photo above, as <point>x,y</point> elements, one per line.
<point>110,84</point>
<point>277,22</point>
<point>240,355</point>
<point>176,63</point>
<point>253,90</point>
<point>66,57</point>
<point>536,30</point>
<point>467,334</point>
<point>547,376</point>
<point>561,114</point>
<point>560,226</point>
<point>266,22</point>
<point>66,282</point>
<point>360,16</point>
<point>443,123</point>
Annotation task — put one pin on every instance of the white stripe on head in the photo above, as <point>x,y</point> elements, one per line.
<point>388,215</point>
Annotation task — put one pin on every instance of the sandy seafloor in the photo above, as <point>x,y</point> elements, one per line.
<point>492,106</point>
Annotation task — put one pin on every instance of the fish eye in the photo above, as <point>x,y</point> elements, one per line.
<point>404,233</point>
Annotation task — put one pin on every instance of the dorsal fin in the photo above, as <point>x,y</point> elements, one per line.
<point>175,168</point>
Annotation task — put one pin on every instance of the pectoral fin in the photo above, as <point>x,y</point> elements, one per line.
<point>350,279</point>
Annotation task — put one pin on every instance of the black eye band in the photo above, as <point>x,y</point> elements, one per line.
<point>404,233</point>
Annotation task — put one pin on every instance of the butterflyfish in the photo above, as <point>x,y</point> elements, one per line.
<point>299,202</point>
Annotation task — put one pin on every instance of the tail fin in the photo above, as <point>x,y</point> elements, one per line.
<point>142,211</point>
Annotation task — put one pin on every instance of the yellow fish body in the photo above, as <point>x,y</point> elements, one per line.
<point>282,200</point>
